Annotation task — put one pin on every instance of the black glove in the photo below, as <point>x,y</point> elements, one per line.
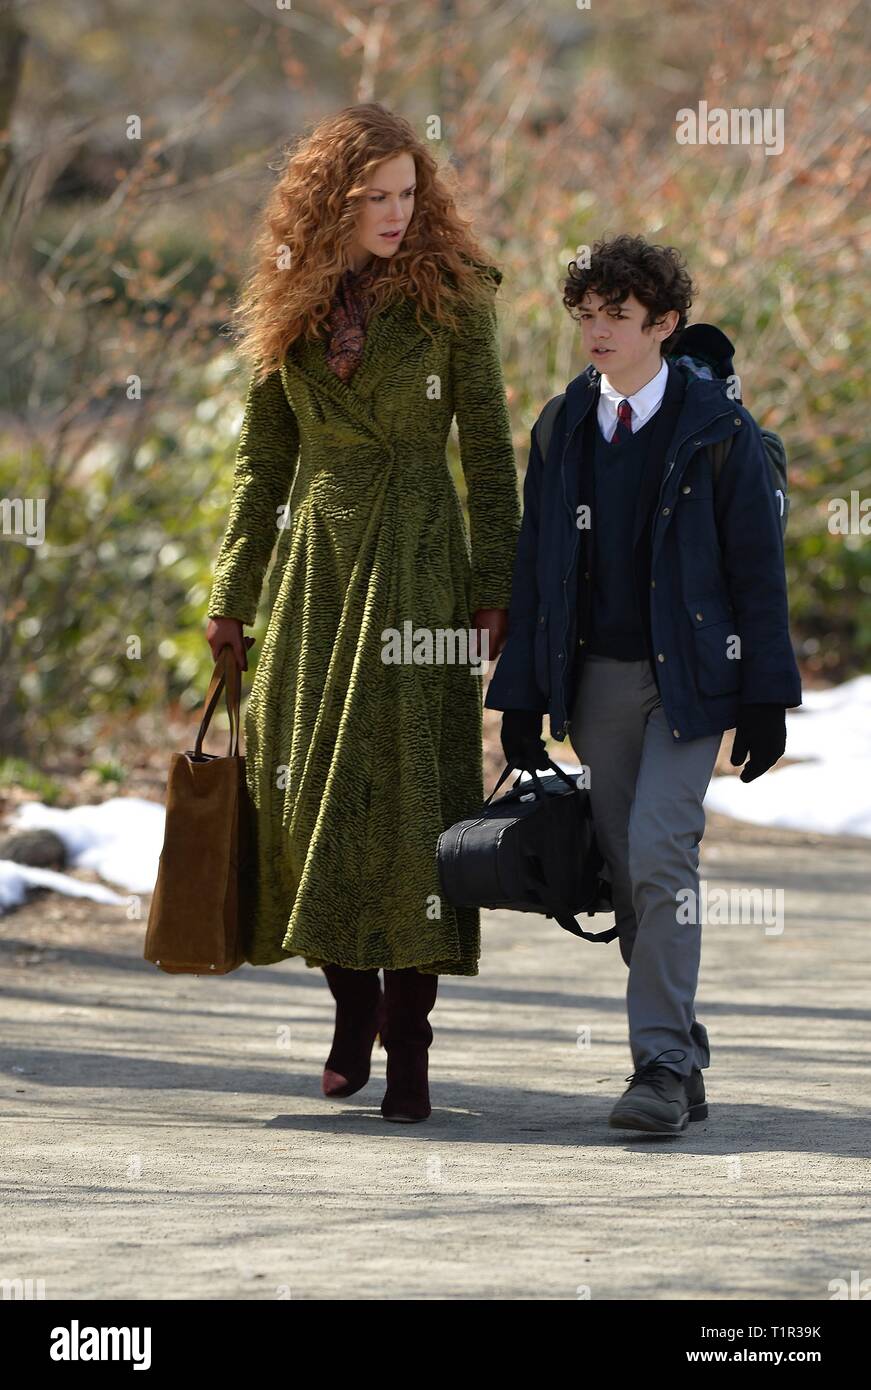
<point>522,743</point>
<point>761,732</point>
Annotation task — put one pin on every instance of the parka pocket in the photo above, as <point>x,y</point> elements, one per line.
<point>540,649</point>
<point>716,644</point>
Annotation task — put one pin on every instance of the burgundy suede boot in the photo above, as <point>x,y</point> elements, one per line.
<point>359,1020</point>
<point>408,998</point>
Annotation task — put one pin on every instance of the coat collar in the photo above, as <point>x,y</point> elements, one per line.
<point>643,401</point>
<point>703,401</point>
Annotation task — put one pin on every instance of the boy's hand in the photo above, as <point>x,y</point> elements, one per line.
<point>761,732</point>
<point>495,620</point>
<point>522,743</point>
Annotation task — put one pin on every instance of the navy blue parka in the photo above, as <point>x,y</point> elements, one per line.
<point>714,569</point>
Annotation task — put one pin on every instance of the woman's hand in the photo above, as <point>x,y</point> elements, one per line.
<point>495,621</point>
<point>227,632</point>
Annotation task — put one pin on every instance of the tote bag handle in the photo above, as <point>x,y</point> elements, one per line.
<point>227,677</point>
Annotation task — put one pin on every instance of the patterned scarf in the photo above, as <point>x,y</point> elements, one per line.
<point>347,322</point>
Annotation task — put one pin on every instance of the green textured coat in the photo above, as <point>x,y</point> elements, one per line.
<point>356,765</point>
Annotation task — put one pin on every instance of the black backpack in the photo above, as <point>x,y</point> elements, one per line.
<point>775,454</point>
<point>704,350</point>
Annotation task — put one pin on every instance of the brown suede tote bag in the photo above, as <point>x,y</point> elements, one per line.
<point>195,923</point>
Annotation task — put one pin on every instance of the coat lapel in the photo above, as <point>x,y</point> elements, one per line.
<point>392,335</point>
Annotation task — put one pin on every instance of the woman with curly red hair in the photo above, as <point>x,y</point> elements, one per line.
<point>369,321</point>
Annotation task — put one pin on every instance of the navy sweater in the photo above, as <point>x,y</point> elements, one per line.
<point>615,619</point>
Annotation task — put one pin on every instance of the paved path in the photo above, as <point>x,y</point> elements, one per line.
<point>165,1137</point>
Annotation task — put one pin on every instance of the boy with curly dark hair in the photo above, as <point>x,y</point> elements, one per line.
<point>648,615</point>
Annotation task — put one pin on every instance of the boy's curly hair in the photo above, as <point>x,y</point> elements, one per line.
<point>656,275</point>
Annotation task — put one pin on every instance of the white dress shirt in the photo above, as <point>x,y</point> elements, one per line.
<point>644,403</point>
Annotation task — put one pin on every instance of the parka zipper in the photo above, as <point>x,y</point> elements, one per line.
<point>575,427</point>
<point>675,452</point>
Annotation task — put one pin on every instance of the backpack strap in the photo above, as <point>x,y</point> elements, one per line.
<point>718,453</point>
<point>775,455</point>
<point>543,427</point>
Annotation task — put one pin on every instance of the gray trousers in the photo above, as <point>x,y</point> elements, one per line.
<point>646,792</point>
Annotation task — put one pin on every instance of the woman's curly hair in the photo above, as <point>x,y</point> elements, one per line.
<point>310,217</point>
<point>656,275</point>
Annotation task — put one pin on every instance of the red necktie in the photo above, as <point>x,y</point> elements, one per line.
<point>624,423</point>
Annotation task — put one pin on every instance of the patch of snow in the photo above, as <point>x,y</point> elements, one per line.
<point>120,840</point>
<point>830,791</point>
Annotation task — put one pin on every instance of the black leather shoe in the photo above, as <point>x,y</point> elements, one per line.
<point>655,1101</point>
